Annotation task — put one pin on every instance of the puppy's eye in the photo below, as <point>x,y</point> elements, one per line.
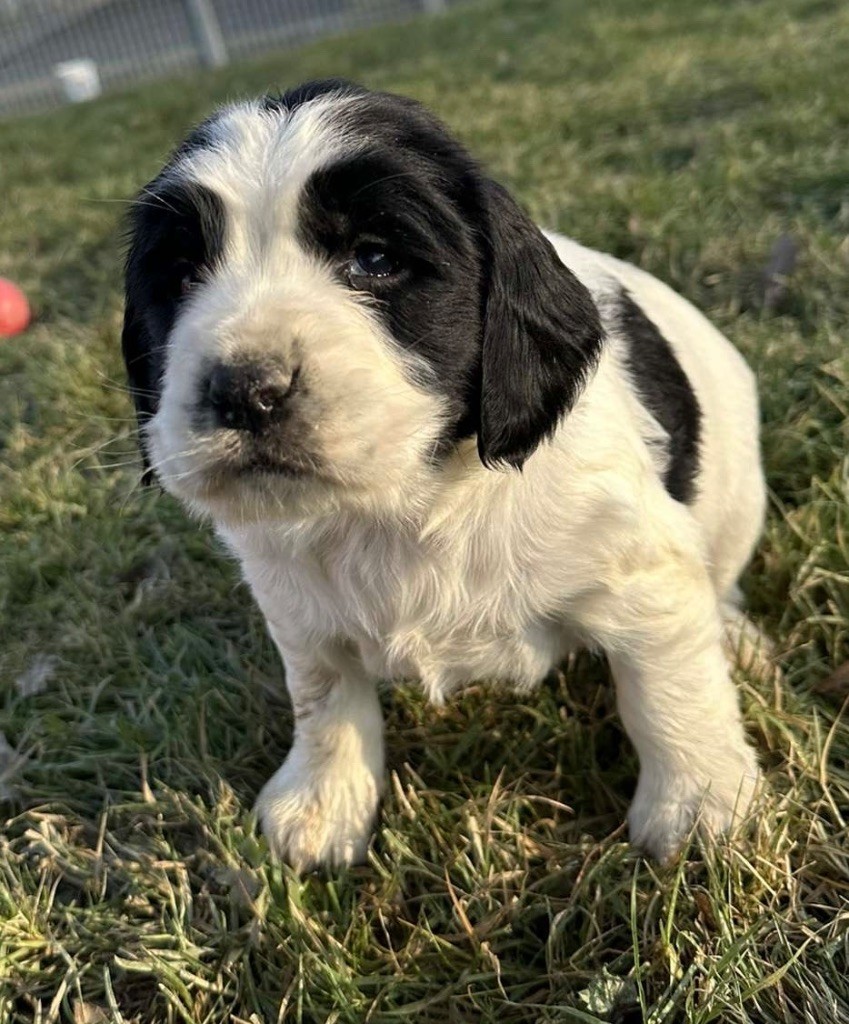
<point>374,260</point>
<point>186,277</point>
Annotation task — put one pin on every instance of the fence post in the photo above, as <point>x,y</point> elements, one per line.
<point>207,33</point>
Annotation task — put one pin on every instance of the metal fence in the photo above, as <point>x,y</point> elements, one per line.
<point>59,51</point>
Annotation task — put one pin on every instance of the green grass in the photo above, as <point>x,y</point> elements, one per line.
<point>685,135</point>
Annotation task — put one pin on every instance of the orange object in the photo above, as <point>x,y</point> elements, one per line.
<point>14,309</point>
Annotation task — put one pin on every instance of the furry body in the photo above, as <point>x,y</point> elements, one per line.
<point>443,448</point>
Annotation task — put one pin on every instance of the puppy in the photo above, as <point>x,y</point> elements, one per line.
<point>443,445</point>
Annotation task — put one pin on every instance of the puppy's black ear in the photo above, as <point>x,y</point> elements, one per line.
<point>141,360</point>
<point>541,334</point>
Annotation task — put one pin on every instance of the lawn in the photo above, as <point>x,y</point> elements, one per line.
<point>143,705</point>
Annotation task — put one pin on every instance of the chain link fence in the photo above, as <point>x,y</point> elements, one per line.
<point>59,51</point>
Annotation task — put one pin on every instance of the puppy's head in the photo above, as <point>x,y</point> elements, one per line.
<point>325,294</point>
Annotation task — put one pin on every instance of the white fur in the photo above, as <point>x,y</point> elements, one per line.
<point>391,567</point>
<point>269,294</point>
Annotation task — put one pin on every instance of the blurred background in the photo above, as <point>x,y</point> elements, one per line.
<point>59,51</point>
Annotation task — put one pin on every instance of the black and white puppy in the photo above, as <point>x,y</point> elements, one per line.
<point>443,445</point>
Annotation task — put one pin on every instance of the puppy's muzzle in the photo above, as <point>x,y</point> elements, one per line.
<point>251,395</point>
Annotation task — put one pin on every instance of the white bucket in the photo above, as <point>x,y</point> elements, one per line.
<point>79,79</point>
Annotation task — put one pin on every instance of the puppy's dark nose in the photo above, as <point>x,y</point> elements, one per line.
<point>250,395</point>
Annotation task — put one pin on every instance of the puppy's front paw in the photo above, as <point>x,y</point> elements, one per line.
<point>313,820</point>
<point>666,805</point>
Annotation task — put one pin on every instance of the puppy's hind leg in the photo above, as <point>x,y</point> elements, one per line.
<point>662,632</point>
<point>747,646</point>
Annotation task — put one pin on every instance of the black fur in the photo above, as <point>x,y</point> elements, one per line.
<point>202,136</point>
<point>542,334</point>
<point>432,307</point>
<point>509,333</point>
<point>667,394</point>
<point>177,229</point>
<point>306,91</point>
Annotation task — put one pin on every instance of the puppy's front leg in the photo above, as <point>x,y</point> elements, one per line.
<point>662,634</point>
<point>319,807</point>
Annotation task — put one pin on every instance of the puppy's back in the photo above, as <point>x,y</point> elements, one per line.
<point>729,492</point>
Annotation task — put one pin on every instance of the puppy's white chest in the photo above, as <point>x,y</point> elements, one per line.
<point>443,656</point>
<point>425,617</point>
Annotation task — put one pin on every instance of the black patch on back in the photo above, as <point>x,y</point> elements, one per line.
<point>666,393</point>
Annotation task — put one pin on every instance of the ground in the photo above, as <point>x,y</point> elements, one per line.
<point>143,705</point>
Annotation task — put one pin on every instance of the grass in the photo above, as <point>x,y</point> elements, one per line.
<point>143,704</point>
